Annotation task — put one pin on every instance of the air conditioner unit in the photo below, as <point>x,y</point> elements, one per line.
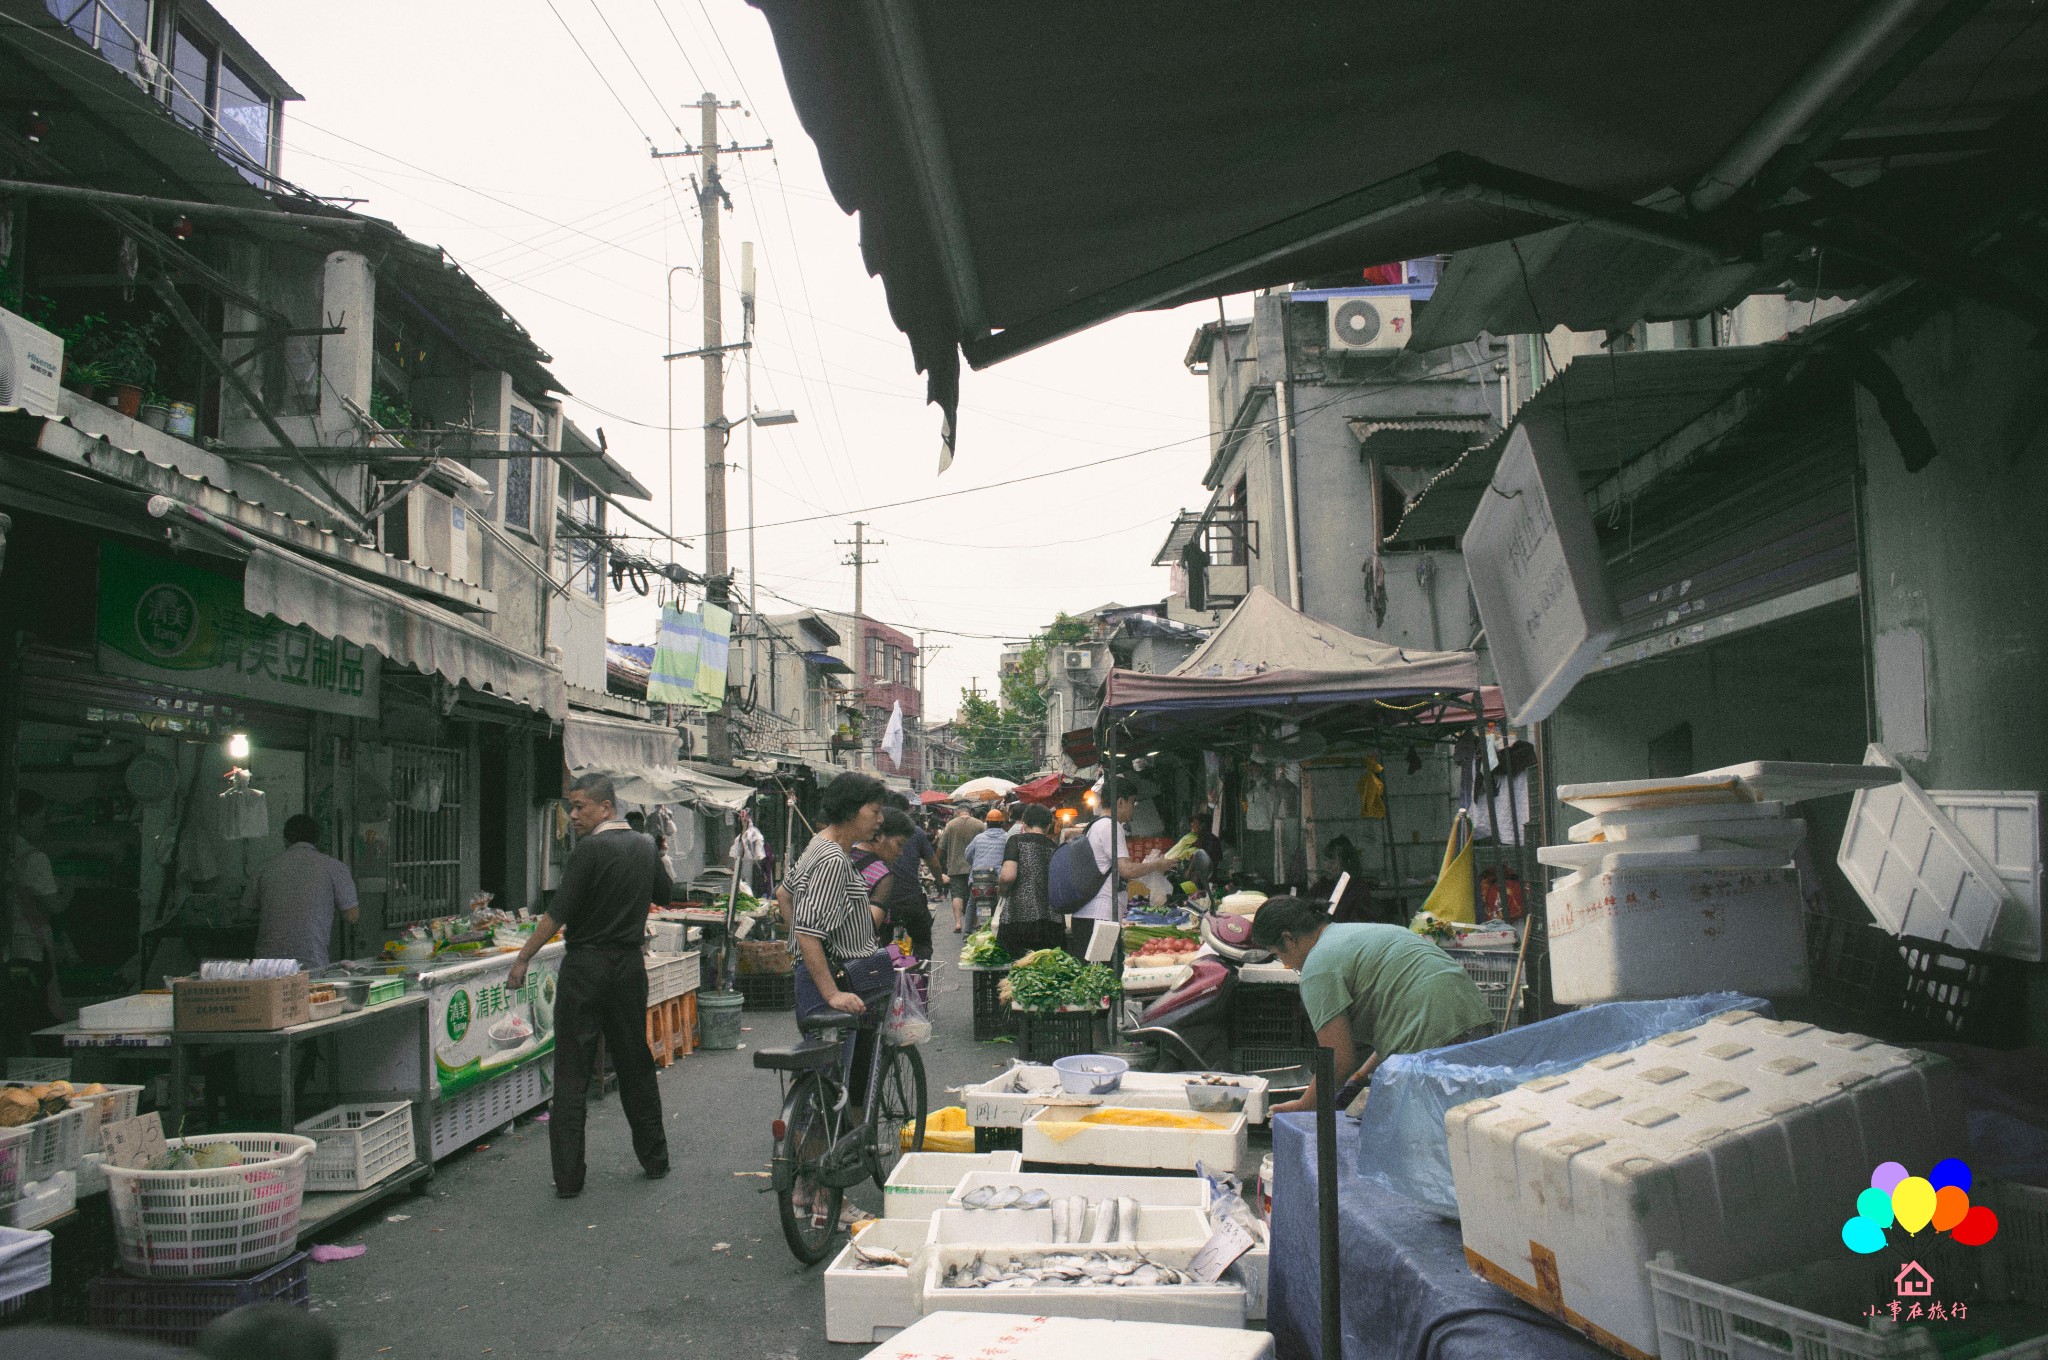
<point>1078,659</point>
<point>31,360</point>
<point>442,535</point>
<point>1382,321</point>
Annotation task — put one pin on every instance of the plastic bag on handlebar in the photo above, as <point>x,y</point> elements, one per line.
<point>909,1023</point>
<point>1401,1142</point>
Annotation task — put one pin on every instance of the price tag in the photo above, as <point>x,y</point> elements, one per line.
<point>1230,1242</point>
<point>134,1143</point>
<point>1102,941</point>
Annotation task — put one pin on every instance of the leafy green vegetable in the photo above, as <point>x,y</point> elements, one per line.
<point>1039,981</point>
<point>981,950</point>
<point>1095,985</point>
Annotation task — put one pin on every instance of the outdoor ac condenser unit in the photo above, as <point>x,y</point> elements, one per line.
<point>442,535</point>
<point>1378,322</point>
<point>1080,660</point>
<point>31,360</point>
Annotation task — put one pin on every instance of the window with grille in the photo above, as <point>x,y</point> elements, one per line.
<point>426,834</point>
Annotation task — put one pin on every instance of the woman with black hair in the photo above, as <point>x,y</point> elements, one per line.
<point>875,861</point>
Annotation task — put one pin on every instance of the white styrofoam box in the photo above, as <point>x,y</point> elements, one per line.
<point>1756,781</point>
<point>24,1261</point>
<point>141,1013</point>
<point>1706,852</point>
<point>1735,821</point>
<point>1569,1184</point>
<point>668,937</point>
<point>864,1306</point>
<point>1271,974</point>
<point>1914,869</point>
<point>1063,1338</point>
<point>92,1174</point>
<point>1251,1271</point>
<point>1157,1227</point>
<point>1205,1305</point>
<point>2005,828</point>
<point>1003,1102</point>
<point>1642,933</point>
<point>1164,1192</point>
<point>1057,1135</point>
<point>44,1201</point>
<point>922,1181</point>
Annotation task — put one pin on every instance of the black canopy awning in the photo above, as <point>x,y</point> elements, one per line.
<point>1022,172</point>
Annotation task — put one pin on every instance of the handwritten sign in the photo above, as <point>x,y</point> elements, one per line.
<point>1231,1240</point>
<point>134,1143</point>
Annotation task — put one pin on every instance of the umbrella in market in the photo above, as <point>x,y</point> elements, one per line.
<point>930,796</point>
<point>984,790</point>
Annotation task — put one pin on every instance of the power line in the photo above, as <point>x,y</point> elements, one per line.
<point>625,52</point>
<point>684,53</point>
<point>599,72</point>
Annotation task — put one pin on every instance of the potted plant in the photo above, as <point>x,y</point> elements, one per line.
<point>84,376</point>
<point>156,410</point>
<point>131,362</point>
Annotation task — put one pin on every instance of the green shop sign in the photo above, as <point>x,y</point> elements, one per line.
<point>179,624</point>
<point>458,1016</point>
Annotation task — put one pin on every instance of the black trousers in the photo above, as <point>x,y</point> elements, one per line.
<point>1019,939</point>
<point>603,994</point>
<point>915,916</point>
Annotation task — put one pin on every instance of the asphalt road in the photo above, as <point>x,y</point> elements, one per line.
<point>486,1261</point>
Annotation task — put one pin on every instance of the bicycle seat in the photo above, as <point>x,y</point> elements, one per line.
<point>799,1058</point>
<point>829,1020</point>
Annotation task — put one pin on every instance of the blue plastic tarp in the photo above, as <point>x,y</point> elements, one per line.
<point>1401,1142</point>
<point>1405,1292</point>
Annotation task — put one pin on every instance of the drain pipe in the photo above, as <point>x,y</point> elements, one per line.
<point>1799,102</point>
<point>1283,398</point>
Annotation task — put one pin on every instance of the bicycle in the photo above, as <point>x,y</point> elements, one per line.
<point>820,1152</point>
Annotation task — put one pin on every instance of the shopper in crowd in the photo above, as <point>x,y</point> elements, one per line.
<point>841,968</point>
<point>1371,991</point>
<point>875,860</point>
<point>601,908</point>
<point>1206,840</point>
<point>953,843</point>
<point>1029,922</point>
<point>1109,837</point>
<point>907,904</point>
<point>749,856</point>
<point>35,902</point>
<point>985,867</point>
<point>297,896</point>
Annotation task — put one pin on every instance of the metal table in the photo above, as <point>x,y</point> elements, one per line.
<point>409,1010</point>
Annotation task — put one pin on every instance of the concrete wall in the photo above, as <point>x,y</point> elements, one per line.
<point>1958,592</point>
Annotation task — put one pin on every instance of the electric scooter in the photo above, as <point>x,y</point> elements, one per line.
<point>1189,1025</point>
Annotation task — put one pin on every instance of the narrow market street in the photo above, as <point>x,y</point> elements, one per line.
<point>486,1261</point>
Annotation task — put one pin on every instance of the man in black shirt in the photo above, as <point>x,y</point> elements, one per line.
<point>613,875</point>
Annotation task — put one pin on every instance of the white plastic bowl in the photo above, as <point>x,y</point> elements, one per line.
<point>1090,1074</point>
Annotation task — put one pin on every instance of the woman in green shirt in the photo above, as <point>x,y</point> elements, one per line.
<point>1372,990</point>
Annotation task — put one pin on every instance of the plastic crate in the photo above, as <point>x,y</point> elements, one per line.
<point>1707,1321</point>
<point>998,1139</point>
<point>111,1105</point>
<point>993,1018</point>
<point>174,1312</point>
<point>1493,971</point>
<point>1907,990</point>
<point>358,1145</point>
<point>671,975</point>
<point>50,1201</point>
<point>202,1224</point>
<point>460,1120</point>
<point>1268,1018</point>
<point>767,991</point>
<point>1043,1036</point>
<point>38,1069</point>
<point>385,989</point>
<point>31,1151</point>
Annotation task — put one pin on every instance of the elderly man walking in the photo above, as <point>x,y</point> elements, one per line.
<point>612,876</point>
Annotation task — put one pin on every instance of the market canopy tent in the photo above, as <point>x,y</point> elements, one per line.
<point>641,760</point>
<point>1268,657</point>
<point>1024,172</point>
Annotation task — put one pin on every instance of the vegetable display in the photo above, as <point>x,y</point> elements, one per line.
<point>1164,951</point>
<point>1052,979</point>
<point>980,950</point>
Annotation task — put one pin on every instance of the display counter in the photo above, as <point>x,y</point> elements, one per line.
<point>488,1042</point>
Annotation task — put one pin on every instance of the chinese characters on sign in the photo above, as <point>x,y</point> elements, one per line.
<point>173,622</point>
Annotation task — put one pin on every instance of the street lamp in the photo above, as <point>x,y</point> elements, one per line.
<point>754,418</point>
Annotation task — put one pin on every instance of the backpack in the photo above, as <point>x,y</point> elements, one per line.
<point>1073,878</point>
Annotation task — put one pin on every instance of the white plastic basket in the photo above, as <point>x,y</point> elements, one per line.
<point>32,1151</point>
<point>670,976</point>
<point>194,1225</point>
<point>38,1069</point>
<point>359,1145</point>
<point>110,1105</point>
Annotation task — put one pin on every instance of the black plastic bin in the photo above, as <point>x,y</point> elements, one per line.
<point>175,1311</point>
<point>993,1016</point>
<point>1043,1036</point>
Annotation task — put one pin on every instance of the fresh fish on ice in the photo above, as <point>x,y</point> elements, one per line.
<point>978,1197</point>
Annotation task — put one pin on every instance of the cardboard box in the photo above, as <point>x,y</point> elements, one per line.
<point>249,1003</point>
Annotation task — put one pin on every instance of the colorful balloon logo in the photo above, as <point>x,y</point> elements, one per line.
<point>1940,1199</point>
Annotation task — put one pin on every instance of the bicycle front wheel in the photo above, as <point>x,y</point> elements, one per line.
<point>807,1206</point>
<point>896,1104</point>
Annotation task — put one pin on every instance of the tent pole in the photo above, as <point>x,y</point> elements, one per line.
<point>1326,1204</point>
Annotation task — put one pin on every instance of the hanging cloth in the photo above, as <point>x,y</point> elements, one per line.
<point>1372,792</point>
<point>1454,896</point>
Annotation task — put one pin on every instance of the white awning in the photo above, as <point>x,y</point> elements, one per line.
<point>593,743</point>
<point>407,631</point>
<point>659,784</point>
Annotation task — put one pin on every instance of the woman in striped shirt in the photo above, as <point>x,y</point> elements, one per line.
<point>827,901</point>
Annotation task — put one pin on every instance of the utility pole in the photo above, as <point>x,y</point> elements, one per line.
<point>859,543</point>
<point>717,429</point>
<point>924,728</point>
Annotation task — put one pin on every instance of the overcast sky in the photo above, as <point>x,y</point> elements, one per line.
<point>516,133</point>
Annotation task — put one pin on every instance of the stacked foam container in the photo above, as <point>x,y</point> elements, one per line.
<point>1688,884</point>
<point>1739,1145</point>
